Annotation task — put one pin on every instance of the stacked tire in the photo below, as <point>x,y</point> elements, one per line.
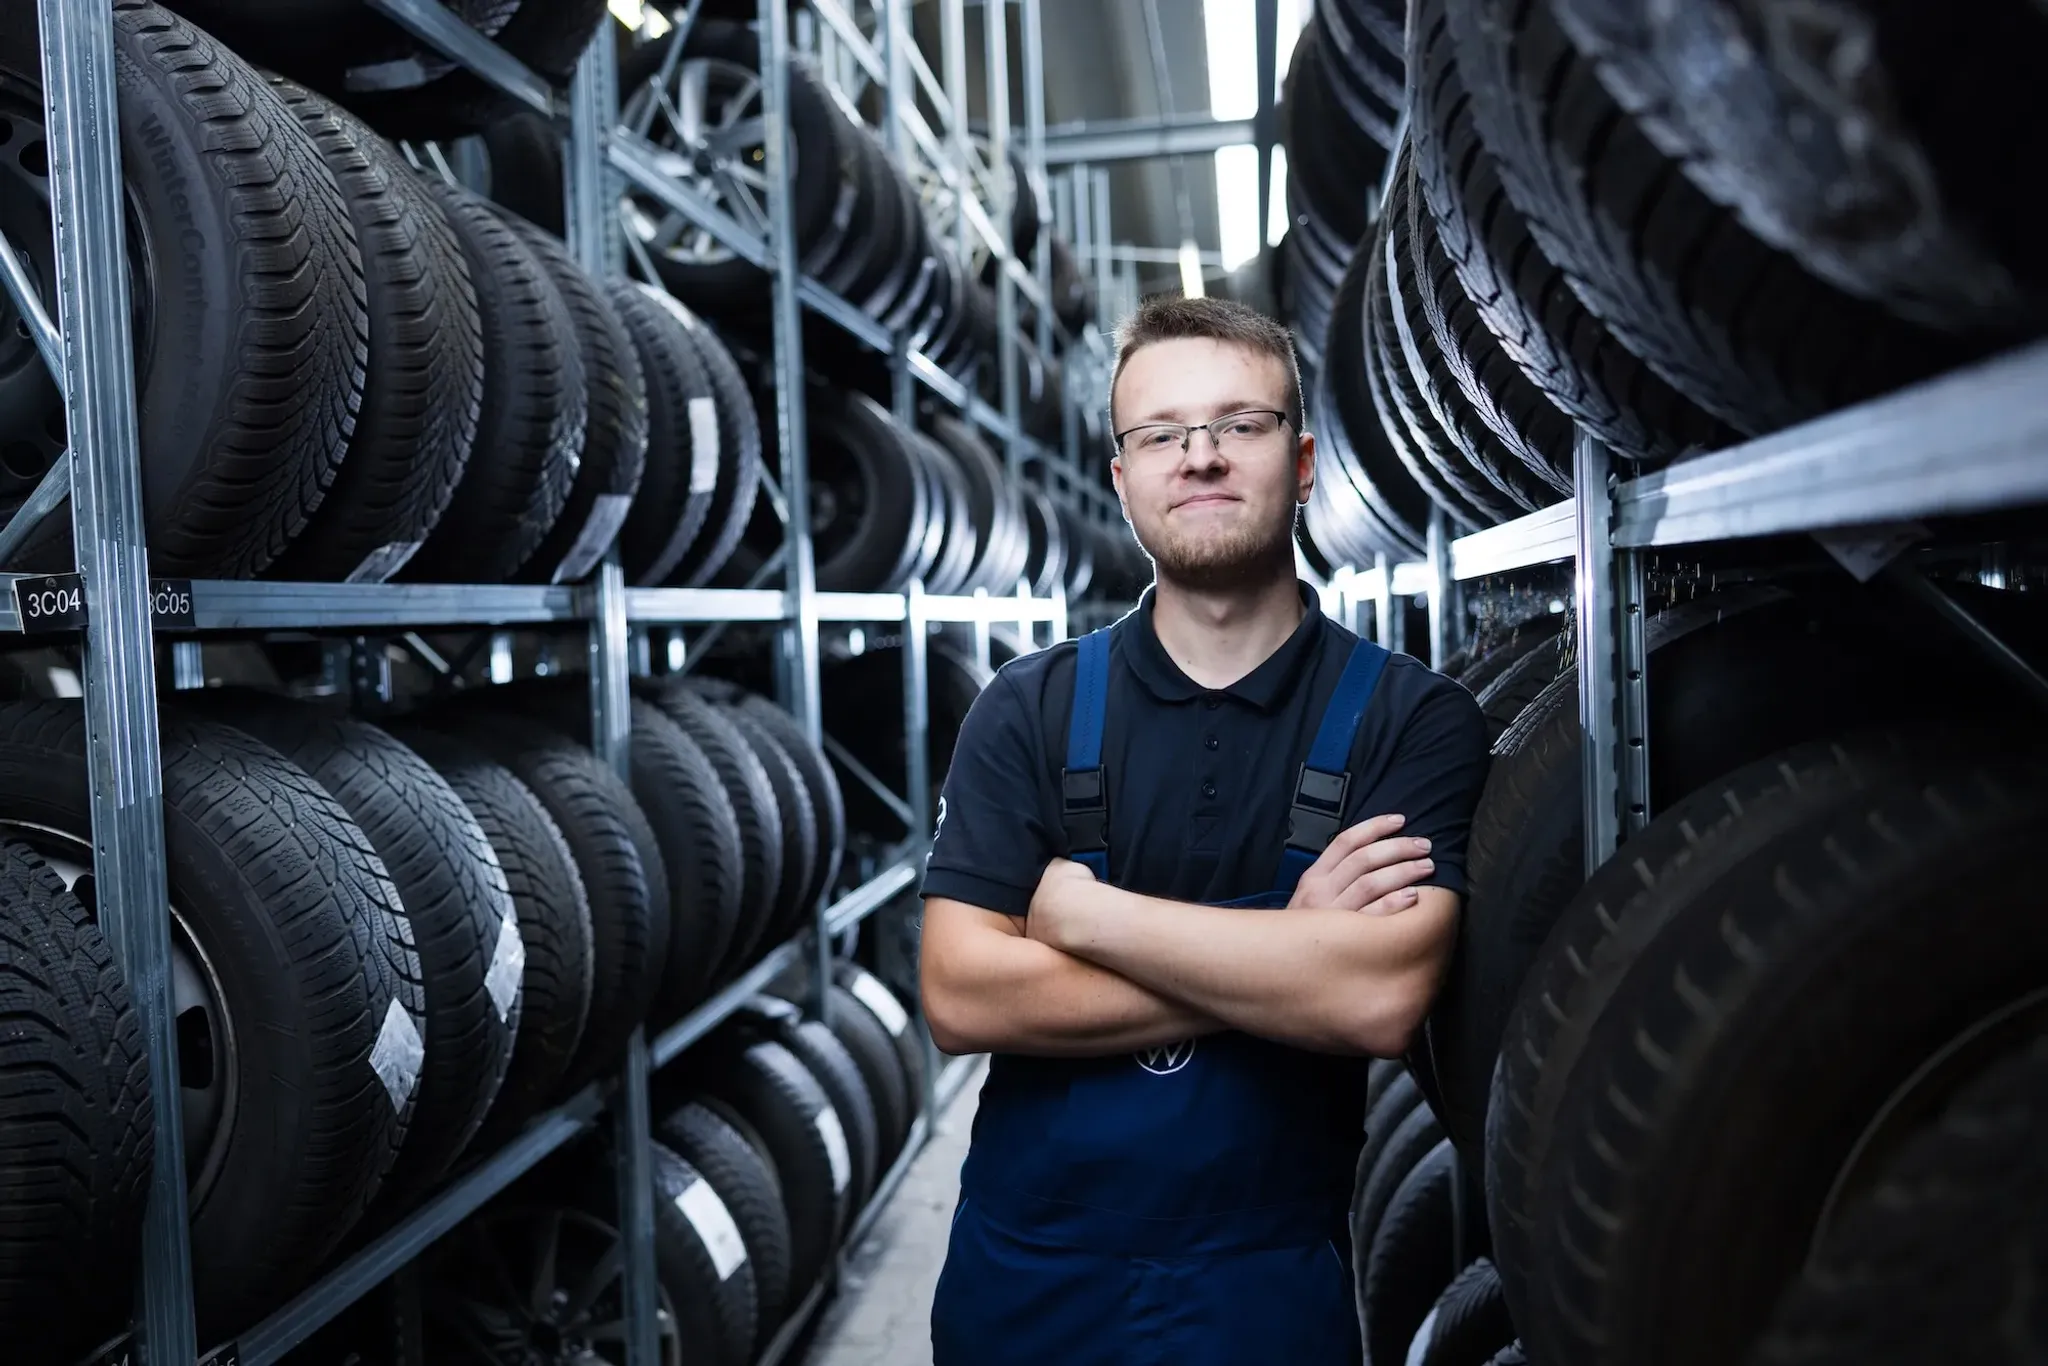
<point>388,327</point>
<point>392,945</point>
<point>1339,107</point>
<point>1578,235</point>
<point>890,504</point>
<point>1590,1030</point>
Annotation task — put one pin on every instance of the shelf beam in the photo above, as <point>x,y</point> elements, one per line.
<point>1539,538</point>
<point>1143,139</point>
<point>441,30</point>
<point>1973,440</point>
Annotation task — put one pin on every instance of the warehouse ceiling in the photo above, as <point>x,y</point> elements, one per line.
<point>1099,65</point>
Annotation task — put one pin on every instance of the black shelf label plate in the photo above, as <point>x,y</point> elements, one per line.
<point>50,602</point>
<point>56,602</point>
<point>170,608</point>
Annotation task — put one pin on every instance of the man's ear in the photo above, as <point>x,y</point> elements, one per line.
<point>1304,468</point>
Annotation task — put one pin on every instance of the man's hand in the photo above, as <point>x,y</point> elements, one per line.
<point>1052,902</point>
<point>1368,867</point>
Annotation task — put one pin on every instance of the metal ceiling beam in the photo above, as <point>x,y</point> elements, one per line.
<point>1142,139</point>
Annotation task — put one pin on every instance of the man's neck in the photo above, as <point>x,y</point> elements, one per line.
<point>1217,637</point>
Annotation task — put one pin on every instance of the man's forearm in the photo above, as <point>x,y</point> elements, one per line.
<point>1329,980</point>
<point>988,991</point>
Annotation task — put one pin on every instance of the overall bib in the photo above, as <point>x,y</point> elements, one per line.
<point>1182,1206</point>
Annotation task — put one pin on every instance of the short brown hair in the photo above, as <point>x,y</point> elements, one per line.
<point>1170,317</point>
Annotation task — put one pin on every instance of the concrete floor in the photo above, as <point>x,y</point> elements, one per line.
<point>882,1313</point>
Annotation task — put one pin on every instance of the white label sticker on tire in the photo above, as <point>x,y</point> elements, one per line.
<point>827,1122</point>
<point>381,563</point>
<point>1419,1345</point>
<point>703,445</point>
<point>714,1227</point>
<point>882,1001</point>
<point>508,966</point>
<point>397,1055</point>
<point>607,515</point>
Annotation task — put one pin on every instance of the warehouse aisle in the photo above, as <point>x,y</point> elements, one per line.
<point>882,1315</point>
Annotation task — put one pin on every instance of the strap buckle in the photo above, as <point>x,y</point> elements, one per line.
<point>1317,812</point>
<point>1084,809</point>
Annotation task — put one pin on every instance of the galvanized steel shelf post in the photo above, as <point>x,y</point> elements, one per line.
<point>98,380</point>
<point>597,243</point>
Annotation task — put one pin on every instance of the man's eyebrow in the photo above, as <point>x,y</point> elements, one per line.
<point>1225,409</point>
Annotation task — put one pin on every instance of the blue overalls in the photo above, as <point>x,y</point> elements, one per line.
<point>1185,1206</point>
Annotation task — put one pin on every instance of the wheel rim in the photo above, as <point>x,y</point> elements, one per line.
<point>208,1053</point>
<point>537,1287</point>
<point>1919,1099</point>
<point>709,129</point>
<point>32,431</point>
<point>31,407</point>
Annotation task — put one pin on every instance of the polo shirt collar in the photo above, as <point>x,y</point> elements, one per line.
<point>1264,687</point>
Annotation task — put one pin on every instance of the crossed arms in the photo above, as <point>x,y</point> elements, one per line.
<point>1349,966</point>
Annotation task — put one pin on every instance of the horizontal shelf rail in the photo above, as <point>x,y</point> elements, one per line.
<point>1542,536</point>
<point>678,605</point>
<point>869,897</point>
<point>258,605</point>
<point>1973,440</point>
<point>440,29</point>
<point>672,1042</point>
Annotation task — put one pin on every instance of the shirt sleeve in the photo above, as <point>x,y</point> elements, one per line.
<point>993,836</point>
<point>1439,768</point>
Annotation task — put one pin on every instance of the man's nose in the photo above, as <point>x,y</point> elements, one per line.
<point>1201,455</point>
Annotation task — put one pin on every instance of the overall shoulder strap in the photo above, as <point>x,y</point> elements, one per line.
<point>1084,795</point>
<point>1324,781</point>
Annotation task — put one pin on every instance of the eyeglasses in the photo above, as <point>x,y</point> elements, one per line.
<point>1232,432</point>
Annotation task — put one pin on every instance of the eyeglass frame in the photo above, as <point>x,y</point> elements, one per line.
<point>1188,429</point>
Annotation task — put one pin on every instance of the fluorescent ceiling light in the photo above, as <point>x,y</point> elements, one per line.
<point>1191,270</point>
<point>1237,202</point>
<point>1232,39</point>
<point>1277,220</point>
<point>640,17</point>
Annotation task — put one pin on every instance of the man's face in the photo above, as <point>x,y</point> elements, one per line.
<point>1216,515</point>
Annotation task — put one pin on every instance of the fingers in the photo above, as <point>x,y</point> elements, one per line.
<point>1377,883</point>
<point>1393,902</point>
<point>1381,853</point>
<point>1355,837</point>
<point>1349,841</point>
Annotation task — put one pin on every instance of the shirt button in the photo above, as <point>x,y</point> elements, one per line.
<point>1208,742</point>
<point>1212,703</point>
<point>1208,789</point>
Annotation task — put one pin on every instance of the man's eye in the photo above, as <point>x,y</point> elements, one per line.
<point>1157,437</point>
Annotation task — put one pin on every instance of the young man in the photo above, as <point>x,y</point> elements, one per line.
<point>1190,874</point>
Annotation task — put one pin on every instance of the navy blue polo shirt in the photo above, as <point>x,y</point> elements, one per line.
<point>1199,779</point>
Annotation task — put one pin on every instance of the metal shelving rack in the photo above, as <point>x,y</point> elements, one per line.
<point>88,349</point>
<point>1968,442</point>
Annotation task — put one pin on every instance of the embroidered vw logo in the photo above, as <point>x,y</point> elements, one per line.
<point>1163,1059</point>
